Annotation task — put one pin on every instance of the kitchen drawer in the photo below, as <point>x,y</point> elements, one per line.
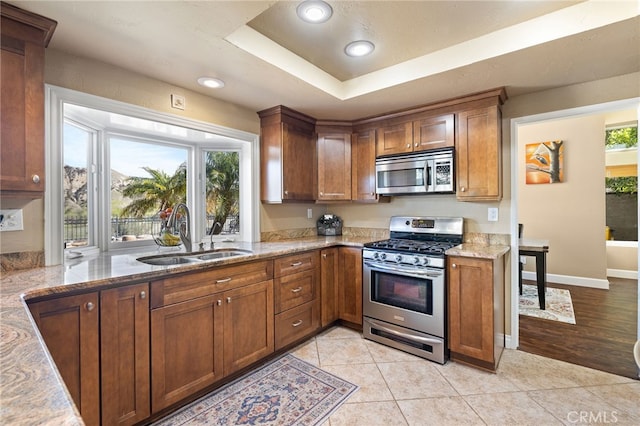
<point>296,263</point>
<point>297,323</point>
<point>197,284</point>
<point>295,289</point>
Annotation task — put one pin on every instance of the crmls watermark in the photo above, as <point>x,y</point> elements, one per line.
<point>591,417</point>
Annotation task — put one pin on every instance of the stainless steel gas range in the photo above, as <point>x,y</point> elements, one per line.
<point>404,285</point>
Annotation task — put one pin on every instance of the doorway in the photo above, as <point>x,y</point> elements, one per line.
<point>571,215</point>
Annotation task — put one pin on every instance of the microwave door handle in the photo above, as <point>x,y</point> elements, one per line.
<point>428,166</point>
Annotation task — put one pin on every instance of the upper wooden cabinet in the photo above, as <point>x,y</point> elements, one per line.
<point>334,167</point>
<point>479,155</point>
<point>363,168</point>
<point>419,135</point>
<point>287,156</point>
<point>395,139</point>
<point>24,38</point>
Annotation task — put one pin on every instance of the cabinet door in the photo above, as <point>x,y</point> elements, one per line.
<point>186,349</point>
<point>298,164</point>
<point>248,325</point>
<point>350,286</point>
<point>433,133</point>
<point>471,307</point>
<point>329,279</point>
<point>69,327</point>
<point>22,109</point>
<point>124,339</point>
<point>478,155</point>
<point>363,167</point>
<point>334,166</point>
<point>396,139</point>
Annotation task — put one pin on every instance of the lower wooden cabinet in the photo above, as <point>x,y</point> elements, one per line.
<point>329,280</point>
<point>70,328</point>
<point>197,342</point>
<point>124,349</point>
<point>476,310</point>
<point>350,285</point>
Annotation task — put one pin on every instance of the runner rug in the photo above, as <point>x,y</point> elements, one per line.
<point>287,391</point>
<point>558,304</point>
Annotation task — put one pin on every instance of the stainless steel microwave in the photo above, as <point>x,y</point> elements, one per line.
<point>416,173</point>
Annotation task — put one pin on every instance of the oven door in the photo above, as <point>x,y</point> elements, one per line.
<point>412,297</point>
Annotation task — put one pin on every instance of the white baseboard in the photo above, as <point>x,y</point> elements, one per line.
<point>508,343</point>
<point>622,273</point>
<point>570,280</point>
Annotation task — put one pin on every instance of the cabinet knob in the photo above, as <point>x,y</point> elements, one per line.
<point>228,300</point>
<point>219,302</point>
<point>463,189</point>
<point>143,295</point>
<point>321,193</point>
<point>324,255</point>
<point>90,306</point>
<point>35,179</point>
<point>454,266</point>
<point>408,145</point>
<point>297,323</point>
<point>286,192</point>
<point>416,144</point>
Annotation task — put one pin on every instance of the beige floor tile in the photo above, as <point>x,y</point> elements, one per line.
<point>470,381</point>
<point>343,351</point>
<point>511,408</point>
<point>584,376</point>
<point>382,353</point>
<point>308,351</point>
<point>340,333</point>
<point>446,411</point>
<point>625,397</point>
<point>415,379</point>
<point>368,377</point>
<point>384,413</point>
<point>578,405</point>
<point>533,372</point>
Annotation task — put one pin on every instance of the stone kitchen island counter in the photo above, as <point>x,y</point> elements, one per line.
<point>31,390</point>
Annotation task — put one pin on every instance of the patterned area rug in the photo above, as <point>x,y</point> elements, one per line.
<point>558,304</point>
<point>287,391</point>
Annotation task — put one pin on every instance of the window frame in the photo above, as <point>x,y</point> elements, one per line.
<point>244,142</point>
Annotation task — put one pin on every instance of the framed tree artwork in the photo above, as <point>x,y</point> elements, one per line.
<point>544,162</point>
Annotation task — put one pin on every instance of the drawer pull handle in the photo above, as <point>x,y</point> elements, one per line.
<point>297,323</point>
<point>143,295</point>
<point>224,280</point>
<point>90,306</point>
<point>296,290</point>
<point>294,264</point>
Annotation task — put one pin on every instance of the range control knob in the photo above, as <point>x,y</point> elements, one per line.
<point>425,261</point>
<point>398,258</point>
<point>383,256</point>
<point>416,260</point>
<point>376,255</point>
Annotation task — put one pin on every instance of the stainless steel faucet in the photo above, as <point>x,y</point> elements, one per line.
<point>185,227</point>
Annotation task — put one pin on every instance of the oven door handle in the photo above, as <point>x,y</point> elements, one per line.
<point>404,271</point>
<point>420,339</point>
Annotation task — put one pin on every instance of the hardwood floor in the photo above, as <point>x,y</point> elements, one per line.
<point>604,333</point>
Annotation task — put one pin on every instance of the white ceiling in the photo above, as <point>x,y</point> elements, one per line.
<point>425,50</point>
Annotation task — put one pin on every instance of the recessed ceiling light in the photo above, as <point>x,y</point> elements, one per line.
<point>213,83</point>
<point>359,48</point>
<point>314,11</point>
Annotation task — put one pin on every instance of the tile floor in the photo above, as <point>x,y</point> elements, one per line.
<point>397,388</point>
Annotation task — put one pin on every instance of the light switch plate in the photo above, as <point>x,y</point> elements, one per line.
<point>492,215</point>
<point>11,220</point>
<point>309,213</point>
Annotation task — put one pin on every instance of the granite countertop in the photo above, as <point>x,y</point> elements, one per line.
<point>478,250</point>
<point>31,391</point>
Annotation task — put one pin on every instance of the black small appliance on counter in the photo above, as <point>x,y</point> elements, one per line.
<point>329,224</point>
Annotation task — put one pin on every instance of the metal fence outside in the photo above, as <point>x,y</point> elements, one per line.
<point>76,229</point>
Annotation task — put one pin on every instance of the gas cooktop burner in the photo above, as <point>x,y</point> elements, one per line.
<point>411,246</point>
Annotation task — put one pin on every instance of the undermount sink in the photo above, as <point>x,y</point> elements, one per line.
<point>193,257</point>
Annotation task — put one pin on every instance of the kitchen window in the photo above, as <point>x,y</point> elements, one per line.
<point>114,167</point>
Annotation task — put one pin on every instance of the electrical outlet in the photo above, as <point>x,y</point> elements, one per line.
<point>492,215</point>
<point>11,220</point>
<point>309,213</point>
<point>177,102</point>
